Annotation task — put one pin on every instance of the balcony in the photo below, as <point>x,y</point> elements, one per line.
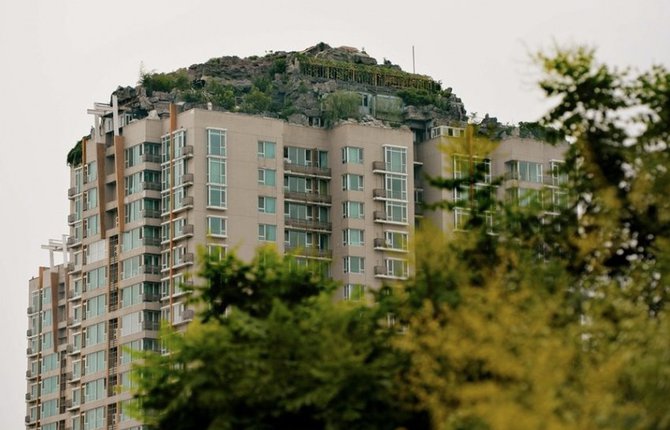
<point>187,151</point>
<point>151,325</point>
<point>151,213</point>
<point>151,241</point>
<point>383,194</point>
<point>299,169</point>
<point>187,230</point>
<point>72,242</point>
<point>30,352</point>
<point>308,224</point>
<point>151,270</point>
<point>150,186</point>
<point>150,297</point>
<point>308,197</point>
<point>379,216</point>
<point>151,158</point>
<point>187,179</point>
<point>71,192</point>
<point>384,167</point>
<point>389,273</point>
<point>308,252</point>
<point>71,219</point>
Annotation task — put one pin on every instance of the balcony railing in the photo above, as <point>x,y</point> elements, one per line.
<point>151,270</point>
<point>151,186</point>
<point>151,158</point>
<point>379,216</point>
<point>187,178</point>
<point>151,213</point>
<point>308,251</point>
<point>151,241</point>
<point>308,197</point>
<point>383,167</point>
<point>306,170</point>
<point>307,224</point>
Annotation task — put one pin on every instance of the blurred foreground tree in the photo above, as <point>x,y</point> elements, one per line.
<point>273,351</point>
<point>564,326</point>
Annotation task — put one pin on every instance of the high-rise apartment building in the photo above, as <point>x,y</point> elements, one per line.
<point>148,192</point>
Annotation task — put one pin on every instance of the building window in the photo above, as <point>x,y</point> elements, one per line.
<point>267,205</point>
<point>352,237</point>
<point>49,408</point>
<point>96,278</point>
<point>91,171</point>
<point>396,268</point>
<point>95,418</point>
<point>527,171</point>
<point>353,292</point>
<point>352,210</point>
<point>216,251</point>
<point>216,196</point>
<point>95,334</point>
<point>94,362</point>
<point>354,264</point>
<point>96,306</point>
<point>396,187</point>
<point>461,219</point>
<point>179,138</point>
<point>352,155</point>
<point>216,142</point>
<point>92,225</point>
<point>91,199</point>
<point>50,385</point>
<point>139,293</point>
<point>352,182</point>
<point>216,226</point>
<point>524,197</point>
<point>267,177</point>
<point>477,167</point>
<point>267,232</point>
<point>216,171</point>
<point>559,176</point>
<point>396,212</point>
<point>395,159</point>
<point>267,149</point>
<point>395,240</point>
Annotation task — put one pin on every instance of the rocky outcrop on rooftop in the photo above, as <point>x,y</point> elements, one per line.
<point>294,85</point>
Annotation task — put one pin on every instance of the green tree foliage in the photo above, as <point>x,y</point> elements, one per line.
<point>165,82</point>
<point>256,101</point>
<point>221,95</point>
<point>341,105</point>
<point>558,323</point>
<point>75,154</point>
<point>272,350</point>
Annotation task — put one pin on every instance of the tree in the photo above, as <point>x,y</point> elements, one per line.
<point>271,349</point>
<point>564,325</point>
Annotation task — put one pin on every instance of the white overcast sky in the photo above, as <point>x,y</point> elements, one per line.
<point>58,57</point>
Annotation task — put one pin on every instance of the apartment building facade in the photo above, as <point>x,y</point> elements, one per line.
<point>148,193</point>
